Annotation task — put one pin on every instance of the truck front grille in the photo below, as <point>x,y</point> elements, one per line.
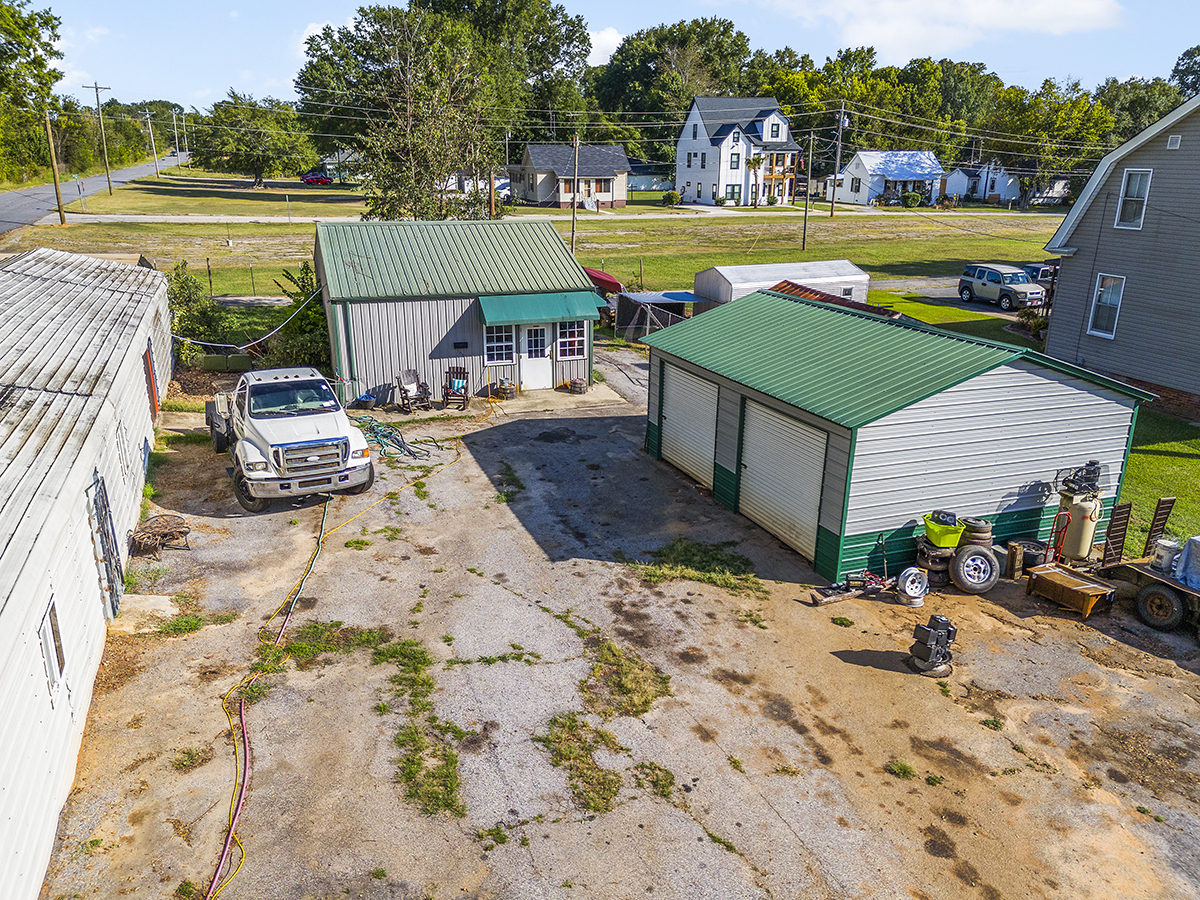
<point>314,458</point>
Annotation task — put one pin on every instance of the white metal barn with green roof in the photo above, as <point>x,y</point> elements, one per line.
<point>504,300</point>
<point>834,428</point>
<point>85,357</point>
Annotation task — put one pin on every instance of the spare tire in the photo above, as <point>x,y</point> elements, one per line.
<point>975,570</point>
<point>1160,607</point>
<point>983,526</point>
<point>1035,551</point>
<point>926,546</point>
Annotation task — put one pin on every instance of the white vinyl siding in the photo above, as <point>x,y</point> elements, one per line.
<point>689,423</point>
<point>783,465</point>
<point>1106,305</point>
<point>1135,190</point>
<point>990,445</point>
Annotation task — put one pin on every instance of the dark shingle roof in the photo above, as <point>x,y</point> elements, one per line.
<point>721,115</point>
<point>595,161</point>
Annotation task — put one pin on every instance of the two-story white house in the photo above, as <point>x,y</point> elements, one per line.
<point>718,137</point>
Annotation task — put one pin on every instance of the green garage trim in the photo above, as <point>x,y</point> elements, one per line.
<point>534,309</point>
<point>825,561</point>
<point>654,439</point>
<point>725,487</point>
<point>863,551</point>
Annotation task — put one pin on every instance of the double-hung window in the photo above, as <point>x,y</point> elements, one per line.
<point>695,131</point>
<point>855,185</point>
<point>1105,305</point>
<point>1134,190</point>
<point>689,160</point>
<point>775,130</point>
<point>572,340</point>
<point>735,160</point>
<point>499,344</point>
<point>703,159</point>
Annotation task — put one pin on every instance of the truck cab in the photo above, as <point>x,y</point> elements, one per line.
<point>288,436</point>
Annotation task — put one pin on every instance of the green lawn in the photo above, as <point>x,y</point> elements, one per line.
<point>1164,462</point>
<point>951,318</point>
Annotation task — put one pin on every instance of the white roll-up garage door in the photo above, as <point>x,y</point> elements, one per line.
<point>689,423</point>
<point>783,465</point>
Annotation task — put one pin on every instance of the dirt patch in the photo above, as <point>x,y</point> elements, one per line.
<point>938,843</point>
<point>980,700</point>
<point>121,662</point>
<point>944,754</point>
<point>196,384</point>
<point>1118,656</point>
<point>1158,766</point>
<point>692,656</point>
<point>706,734</point>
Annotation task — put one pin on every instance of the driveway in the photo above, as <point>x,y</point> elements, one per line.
<point>1039,766</point>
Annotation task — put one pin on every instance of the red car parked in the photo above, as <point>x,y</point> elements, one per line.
<point>316,178</point>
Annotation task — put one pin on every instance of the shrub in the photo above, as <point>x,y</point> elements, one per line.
<point>910,200</point>
<point>772,200</point>
<point>718,201</point>
<point>1034,321</point>
<point>671,198</point>
<point>193,314</point>
<point>304,341</point>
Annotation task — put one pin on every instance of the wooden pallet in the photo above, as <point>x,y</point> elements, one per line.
<point>1114,535</point>
<point>1158,524</point>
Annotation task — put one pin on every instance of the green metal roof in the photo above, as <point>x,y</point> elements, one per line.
<point>533,309</point>
<point>417,260</point>
<point>845,366</point>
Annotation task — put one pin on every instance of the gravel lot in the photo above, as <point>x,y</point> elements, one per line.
<point>776,736</point>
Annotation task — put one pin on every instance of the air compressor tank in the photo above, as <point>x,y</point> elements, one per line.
<point>1085,510</point>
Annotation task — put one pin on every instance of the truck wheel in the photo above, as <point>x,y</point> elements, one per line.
<point>366,485</point>
<point>1160,607</point>
<point>245,499</point>
<point>220,440</point>
<point>974,569</point>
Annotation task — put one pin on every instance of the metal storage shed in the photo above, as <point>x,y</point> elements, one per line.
<point>502,299</point>
<point>721,284</point>
<point>85,356</point>
<point>831,427</point>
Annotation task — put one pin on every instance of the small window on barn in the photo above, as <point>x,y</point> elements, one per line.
<point>1135,188</point>
<point>461,345</point>
<point>1106,304</point>
<point>847,292</point>
<point>499,344</point>
<point>689,160</point>
<point>52,648</point>
<point>572,340</point>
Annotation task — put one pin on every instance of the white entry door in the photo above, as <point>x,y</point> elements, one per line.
<point>536,371</point>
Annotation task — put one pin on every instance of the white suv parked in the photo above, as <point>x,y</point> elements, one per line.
<point>1007,286</point>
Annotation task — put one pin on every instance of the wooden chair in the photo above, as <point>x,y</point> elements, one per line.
<point>411,392</point>
<point>457,388</point>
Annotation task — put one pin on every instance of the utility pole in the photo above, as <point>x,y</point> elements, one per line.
<point>807,191</point>
<point>153,149</point>
<point>185,141</point>
<point>575,195</point>
<point>492,190</point>
<point>103,139</point>
<point>62,216</point>
<point>175,128</point>
<point>837,164</point>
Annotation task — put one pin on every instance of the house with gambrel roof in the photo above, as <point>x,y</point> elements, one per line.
<point>719,136</point>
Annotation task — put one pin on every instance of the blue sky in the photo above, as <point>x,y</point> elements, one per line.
<point>192,54</point>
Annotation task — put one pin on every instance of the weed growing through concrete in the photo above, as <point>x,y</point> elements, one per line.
<point>421,490</point>
<point>621,683</point>
<point>753,616</point>
<point>572,743</point>
<point>90,847</point>
<point>994,724</point>
<point>660,780</point>
<point>383,708</point>
<point>192,758</point>
<point>184,623</point>
<point>717,839</point>
<point>293,521</point>
<point>255,691</point>
<point>510,484</point>
<point>736,763</point>
<point>186,890</point>
<point>934,780</point>
<point>944,686</point>
<point>686,560</point>
<point>143,575</point>
<point>492,836</point>
<point>270,659</point>
<point>518,654</point>
<point>789,770</point>
<point>900,769</point>
<point>447,639</point>
<point>379,873</point>
<point>842,621</point>
<point>389,532</point>
<point>358,544</point>
<point>311,639</point>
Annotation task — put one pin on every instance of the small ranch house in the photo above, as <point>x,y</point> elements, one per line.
<point>877,176</point>
<point>837,430</point>
<point>502,299</point>
<point>989,182</point>
<point>85,359</point>
<point>719,136</point>
<point>548,173</point>
<point>1125,301</point>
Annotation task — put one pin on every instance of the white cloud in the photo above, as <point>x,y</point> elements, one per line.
<point>73,79</point>
<point>604,42</point>
<point>233,14</point>
<point>94,34</point>
<point>897,28</point>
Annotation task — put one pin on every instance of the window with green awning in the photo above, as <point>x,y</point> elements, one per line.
<point>534,309</point>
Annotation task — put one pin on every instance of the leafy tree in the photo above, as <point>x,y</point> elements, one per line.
<point>26,51</point>
<point>969,91</point>
<point>754,163</point>
<point>1136,104</point>
<point>259,138</point>
<point>1186,74</point>
<point>304,340</point>
<point>194,314</point>
<point>433,123</point>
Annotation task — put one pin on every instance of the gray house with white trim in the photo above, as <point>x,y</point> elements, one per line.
<point>1125,301</point>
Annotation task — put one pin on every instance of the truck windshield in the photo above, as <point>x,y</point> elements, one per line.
<point>292,398</point>
<point>1016,278</point>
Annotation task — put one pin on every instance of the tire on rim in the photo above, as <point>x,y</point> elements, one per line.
<point>1160,607</point>
<point>981,526</point>
<point>366,485</point>
<point>1006,302</point>
<point>246,500</point>
<point>975,570</point>
<point>967,295</point>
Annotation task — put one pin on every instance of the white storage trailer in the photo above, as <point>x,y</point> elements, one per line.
<point>85,358</point>
<point>839,277</point>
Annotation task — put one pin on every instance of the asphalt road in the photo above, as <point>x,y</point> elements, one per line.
<point>26,206</point>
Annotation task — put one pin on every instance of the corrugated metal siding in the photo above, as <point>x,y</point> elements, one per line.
<point>725,283</point>
<point>1159,317</point>
<point>566,369</point>
<point>689,422</point>
<point>88,412</point>
<point>987,447</point>
<point>402,260</point>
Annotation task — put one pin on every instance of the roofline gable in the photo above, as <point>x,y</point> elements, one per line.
<point>1057,243</point>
